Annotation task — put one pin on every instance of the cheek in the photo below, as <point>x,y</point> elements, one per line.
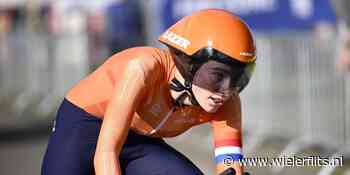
<point>202,96</point>
<point>200,93</point>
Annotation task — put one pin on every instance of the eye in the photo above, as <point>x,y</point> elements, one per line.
<point>218,76</point>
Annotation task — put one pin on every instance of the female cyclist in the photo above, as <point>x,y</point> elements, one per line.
<point>113,121</point>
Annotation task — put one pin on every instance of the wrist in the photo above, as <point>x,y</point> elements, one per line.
<point>106,163</point>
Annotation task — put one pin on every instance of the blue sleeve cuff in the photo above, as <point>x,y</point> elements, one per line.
<point>228,157</point>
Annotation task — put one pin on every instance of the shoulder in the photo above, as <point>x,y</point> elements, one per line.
<point>148,57</point>
<point>151,62</point>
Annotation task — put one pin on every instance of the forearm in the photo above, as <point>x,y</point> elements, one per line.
<point>106,163</point>
<point>111,139</point>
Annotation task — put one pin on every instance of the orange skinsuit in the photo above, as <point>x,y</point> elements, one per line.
<point>131,90</point>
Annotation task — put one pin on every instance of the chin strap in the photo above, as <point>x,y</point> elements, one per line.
<point>186,90</point>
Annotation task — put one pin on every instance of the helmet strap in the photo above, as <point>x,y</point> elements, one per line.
<point>187,67</point>
<point>186,92</point>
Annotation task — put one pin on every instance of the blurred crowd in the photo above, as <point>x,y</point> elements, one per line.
<point>47,47</point>
<point>110,28</point>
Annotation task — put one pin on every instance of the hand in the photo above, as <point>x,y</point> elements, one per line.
<point>231,171</point>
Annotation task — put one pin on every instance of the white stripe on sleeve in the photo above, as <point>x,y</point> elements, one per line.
<point>228,150</point>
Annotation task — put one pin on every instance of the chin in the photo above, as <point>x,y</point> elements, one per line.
<point>206,106</point>
<point>210,109</point>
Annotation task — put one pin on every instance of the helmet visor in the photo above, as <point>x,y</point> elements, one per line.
<point>217,72</point>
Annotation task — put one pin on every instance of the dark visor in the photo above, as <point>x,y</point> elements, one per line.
<point>240,71</point>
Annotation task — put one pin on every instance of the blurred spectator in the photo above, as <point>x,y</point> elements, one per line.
<point>342,8</point>
<point>5,28</point>
<point>124,27</point>
<point>5,21</point>
<point>97,39</point>
<point>324,32</point>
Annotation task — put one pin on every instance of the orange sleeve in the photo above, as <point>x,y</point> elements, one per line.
<point>227,128</point>
<point>117,120</point>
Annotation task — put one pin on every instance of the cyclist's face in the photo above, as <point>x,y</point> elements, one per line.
<point>212,85</point>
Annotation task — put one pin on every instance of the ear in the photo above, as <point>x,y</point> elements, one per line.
<point>183,66</point>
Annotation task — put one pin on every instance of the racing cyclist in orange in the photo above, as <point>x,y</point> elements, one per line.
<point>113,122</point>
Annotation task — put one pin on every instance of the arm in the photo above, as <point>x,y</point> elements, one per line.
<point>227,136</point>
<point>117,120</point>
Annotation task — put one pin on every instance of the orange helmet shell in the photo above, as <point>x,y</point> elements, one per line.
<point>214,28</point>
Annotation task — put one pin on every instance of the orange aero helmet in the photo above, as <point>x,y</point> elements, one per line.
<point>218,35</point>
<point>214,28</point>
